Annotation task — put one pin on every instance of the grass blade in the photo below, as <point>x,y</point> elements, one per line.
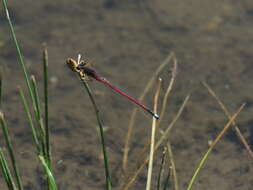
<point>221,134</point>
<point>47,133</point>
<point>38,116</point>
<point>21,59</point>
<point>50,177</point>
<point>6,172</point>
<point>36,96</point>
<point>11,151</point>
<point>35,134</point>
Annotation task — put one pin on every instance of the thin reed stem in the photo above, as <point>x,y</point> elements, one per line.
<point>152,140</point>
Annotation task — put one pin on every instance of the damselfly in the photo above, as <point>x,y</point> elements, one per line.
<point>85,72</point>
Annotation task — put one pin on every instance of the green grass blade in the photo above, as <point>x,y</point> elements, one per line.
<point>11,151</point>
<point>38,116</point>
<point>47,132</point>
<point>29,116</point>
<point>36,98</point>
<point>51,180</point>
<point>21,59</point>
<point>47,137</point>
<point>6,172</point>
<point>106,164</point>
<point>1,87</point>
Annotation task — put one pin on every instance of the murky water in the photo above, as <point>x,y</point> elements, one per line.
<point>126,41</point>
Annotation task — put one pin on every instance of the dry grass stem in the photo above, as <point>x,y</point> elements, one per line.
<point>230,122</point>
<point>217,139</point>
<point>237,130</point>
<point>134,112</point>
<point>152,141</point>
<point>166,133</point>
<point>167,93</point>
<point>164,103</point>
<point>162,139</point>
<point>173,167</point>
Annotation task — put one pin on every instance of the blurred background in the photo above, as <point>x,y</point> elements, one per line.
<point>126,41</point>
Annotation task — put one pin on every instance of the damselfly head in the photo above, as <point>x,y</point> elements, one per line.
<point>72,64</point>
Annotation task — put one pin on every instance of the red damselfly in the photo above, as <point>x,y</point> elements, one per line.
<point>85,72</point>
